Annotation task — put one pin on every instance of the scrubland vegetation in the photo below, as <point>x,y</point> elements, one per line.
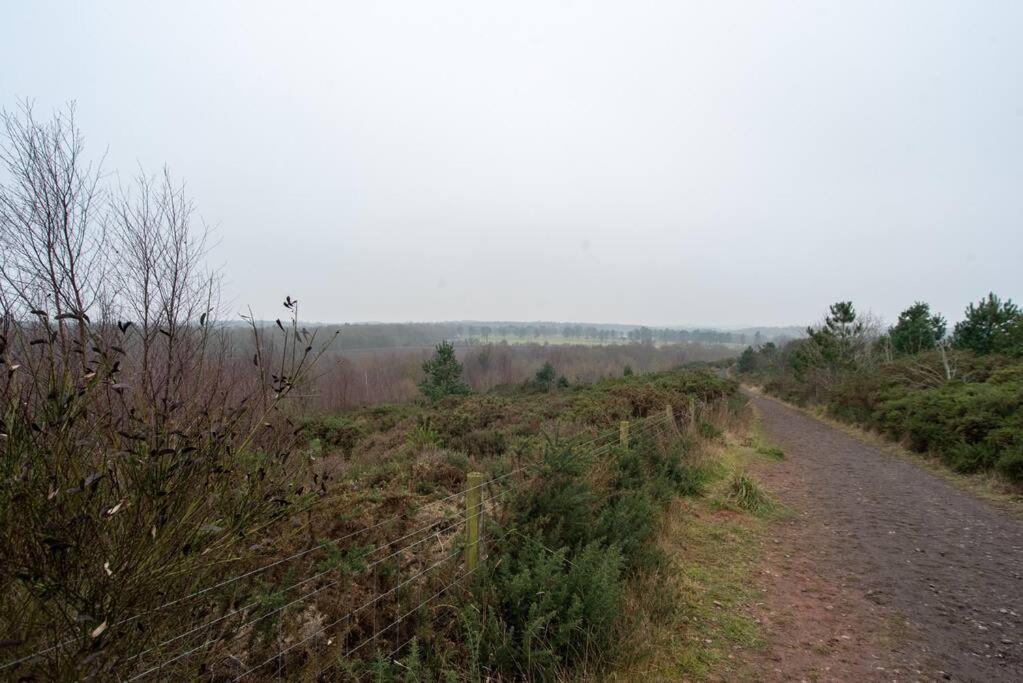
<point>569,539</point>
<point>957,397</point>
<point>181,502</point>
<point>353,379</point>
<point>570,519</point>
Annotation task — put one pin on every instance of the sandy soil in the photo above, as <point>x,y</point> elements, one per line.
<point>883,571</point>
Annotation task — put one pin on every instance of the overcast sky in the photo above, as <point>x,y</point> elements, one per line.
<point>641,162</point>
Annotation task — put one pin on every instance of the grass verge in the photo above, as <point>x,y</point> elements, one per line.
<point>694,618</point>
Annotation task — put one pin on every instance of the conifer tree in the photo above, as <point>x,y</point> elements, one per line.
<point>991,326</point>
<point>917,330</point>
<point>443,374</point>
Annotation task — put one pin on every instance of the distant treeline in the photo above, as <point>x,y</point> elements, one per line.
<point>419,335</point>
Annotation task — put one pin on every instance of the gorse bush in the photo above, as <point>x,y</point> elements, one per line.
<point>1010,463</point>
<point>336,431</point>
<point>569,546</point>
<point>968,425</point>
<point>548,609</point>
<point>610,401</point>
<point>562,505</point>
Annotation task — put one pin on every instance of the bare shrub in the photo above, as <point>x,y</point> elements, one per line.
<point>137,468</point>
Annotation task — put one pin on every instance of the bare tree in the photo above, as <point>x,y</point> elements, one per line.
<point>164,288</point>
<point>138,454</point>
<point>51,223</point>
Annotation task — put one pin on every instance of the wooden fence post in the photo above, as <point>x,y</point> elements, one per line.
<point>670,414</point>
<point>692,412</point>
<point>472,520</point>
<point>623,433</point>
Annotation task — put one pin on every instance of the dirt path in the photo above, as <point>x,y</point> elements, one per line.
<point>884,572</point>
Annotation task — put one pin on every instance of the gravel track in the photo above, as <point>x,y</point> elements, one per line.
<point>948,564</point>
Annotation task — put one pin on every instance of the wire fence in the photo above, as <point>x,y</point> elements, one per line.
<point>420,556</point>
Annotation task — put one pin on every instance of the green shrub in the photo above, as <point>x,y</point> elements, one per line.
<point>555,592</point>
<point>1010,464</point>
<point>708,430</point>
<point>472,414</point>
<point>550,608</point>
<point>545,377</point>
<point>970,457</point>
<point>788,388</point>
<point>662,471</point>
<point>691,480</point>
<point>335,431</point>
<point>1008,374</point>
<point>629,522</point>
<point>482,442</point>
<point>857,397</point>
<point>949,420</point>
<point>457,460</point>
<point>561,506</point>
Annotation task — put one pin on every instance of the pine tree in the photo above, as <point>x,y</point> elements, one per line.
<point>443,374</point>
<point>917,330</point>
<point>545,376</point>
<point>748,360</point>
<point>836,338</point>
<point>991,326</point>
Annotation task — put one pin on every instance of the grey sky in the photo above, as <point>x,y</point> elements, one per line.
<point>643,162</point>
